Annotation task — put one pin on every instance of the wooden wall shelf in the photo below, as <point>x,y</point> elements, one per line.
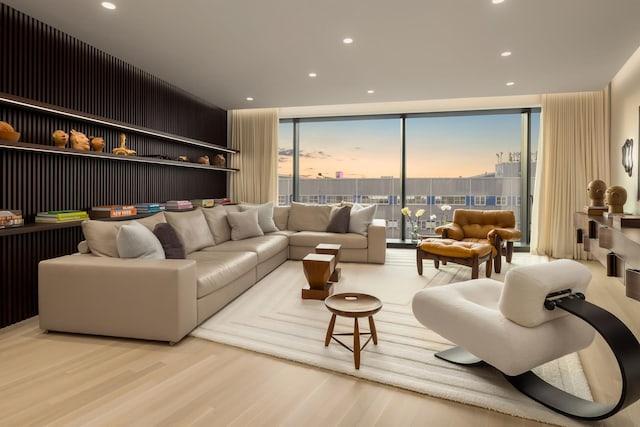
<point>18,102</point>
<point>25,146</point>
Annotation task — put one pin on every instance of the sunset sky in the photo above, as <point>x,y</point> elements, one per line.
<point>449,146</point>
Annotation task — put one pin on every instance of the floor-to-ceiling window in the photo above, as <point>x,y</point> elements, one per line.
<point>471,160</point>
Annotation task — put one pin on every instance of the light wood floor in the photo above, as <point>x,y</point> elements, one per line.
<point>65,379</point>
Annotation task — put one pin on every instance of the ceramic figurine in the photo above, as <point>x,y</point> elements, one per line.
<point>97,143</point>
<point>8,133</point>
<point>204,160</point>
<point>595,191</point>
<point>60,138</point>
<point>123,147</point>
<point>79,140</point>
<point>219,160</point>
<point>615,198</point>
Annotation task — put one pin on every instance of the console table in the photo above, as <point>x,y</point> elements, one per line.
<point>618,249</point>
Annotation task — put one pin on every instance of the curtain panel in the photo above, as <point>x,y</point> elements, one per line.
<point>255,134</point>
<point>573,150</point>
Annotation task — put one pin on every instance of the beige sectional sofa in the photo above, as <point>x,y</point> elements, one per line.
<point>226,251</point>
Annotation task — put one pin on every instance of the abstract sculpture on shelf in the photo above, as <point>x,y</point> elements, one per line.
<point>595,191</point>
<point>60,138</point>
<point>615,198</point>
<point>204,160</point>
<point>123,147</point>
<point>79,140</point>
<point>97,143</point>
<point>219,160</point>
<point>7,132</point>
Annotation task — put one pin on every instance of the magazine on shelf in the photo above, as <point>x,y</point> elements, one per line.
<point>203,203</point>
<point>179,205</point>
<point>143,208</point>
<point>113,211</point>
<point>68,214</point>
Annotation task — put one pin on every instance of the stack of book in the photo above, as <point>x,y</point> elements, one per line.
<point>61,216</point>
<point>147,208</point>
<point>112,211</point>
<point>179,205</point>
<point>595,210</point>
<point>223,201</point>
<point>203,203</point>
<point>10,219</point>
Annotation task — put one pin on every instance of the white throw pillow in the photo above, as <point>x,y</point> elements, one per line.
<point>361,217</point>
<point>265,216</point>
<point>192,228</point>
<point>134,240</point>
<point>244,224</point>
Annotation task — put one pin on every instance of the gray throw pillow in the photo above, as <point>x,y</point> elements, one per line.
<point>339,221</point>
<point>265,216</point>
<point>217,219</point>
<point>304,217</point>
<point>192,228</point>
<point>244,224</point>
<point>134,240</point>
<point>170,241</point>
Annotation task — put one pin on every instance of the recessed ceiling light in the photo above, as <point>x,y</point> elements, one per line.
<point>249,98</point>
<point>371,91</point>
<point>347,40</point>
<point>497,1</point>
<point>313,75</point>
<point>108,5</point>
<point>510,83</point>
<point>505,53</point>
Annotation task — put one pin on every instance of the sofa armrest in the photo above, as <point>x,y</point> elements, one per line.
<point>132,298</point>
<point>377,241</point>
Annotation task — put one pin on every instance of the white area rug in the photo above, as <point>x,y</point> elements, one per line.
<point>272,318</point>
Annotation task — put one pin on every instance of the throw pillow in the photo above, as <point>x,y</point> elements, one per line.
<point>170,241</point>
<point>360,218</point>
<point>244,224</point>
<point>265,216</point>
<point>339,222</point>
<point>192,228</point>
<point>218,225</point>
<point>101,236</point>
<point>309,217</point>
<point>134,240</point>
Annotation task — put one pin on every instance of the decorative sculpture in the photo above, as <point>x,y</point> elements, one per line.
<point>8,133</point>
<point>60,138</point>
<point>79,140</point>
<point>596,190</point>
<point>204,160</point>
<point>123,147</point>
<point>627,156</point>
<point>219,160</point>
<point>615,198</point>
<point>97,143</point>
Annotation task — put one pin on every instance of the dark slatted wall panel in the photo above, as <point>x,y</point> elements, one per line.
<point>40,63</point>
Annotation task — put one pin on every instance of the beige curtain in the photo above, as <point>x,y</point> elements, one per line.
<point>573,150</point>
<point>255,134</point>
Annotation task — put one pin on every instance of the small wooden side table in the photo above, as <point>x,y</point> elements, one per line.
<point>317,269</point>
<point>353,305</point>
<point>331,249</point>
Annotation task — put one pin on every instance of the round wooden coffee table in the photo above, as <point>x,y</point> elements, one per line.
<point>353,305</point>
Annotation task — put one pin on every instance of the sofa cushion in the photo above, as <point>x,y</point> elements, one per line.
<point>313,238</point>
<point>264,246</point>
<point>281,216</point>
<point>360,218</point>
<point>218,225</point>
<point>134,240</point>
<point>244,224</point>
<point>339,220</point>
<point>215,270</point>
<point>265,215</point>
<point>304,217</point>
<point>101,235</point>
<point>170,241</point>
<point>192,228</point>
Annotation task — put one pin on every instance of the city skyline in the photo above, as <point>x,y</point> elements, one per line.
<point>371,148</point>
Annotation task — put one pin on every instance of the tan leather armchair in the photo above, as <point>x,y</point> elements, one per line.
<point>497,228</point>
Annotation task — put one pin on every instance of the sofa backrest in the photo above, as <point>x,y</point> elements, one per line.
<point>477,224</point>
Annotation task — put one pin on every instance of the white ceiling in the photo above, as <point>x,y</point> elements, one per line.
<point>226,50</point>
